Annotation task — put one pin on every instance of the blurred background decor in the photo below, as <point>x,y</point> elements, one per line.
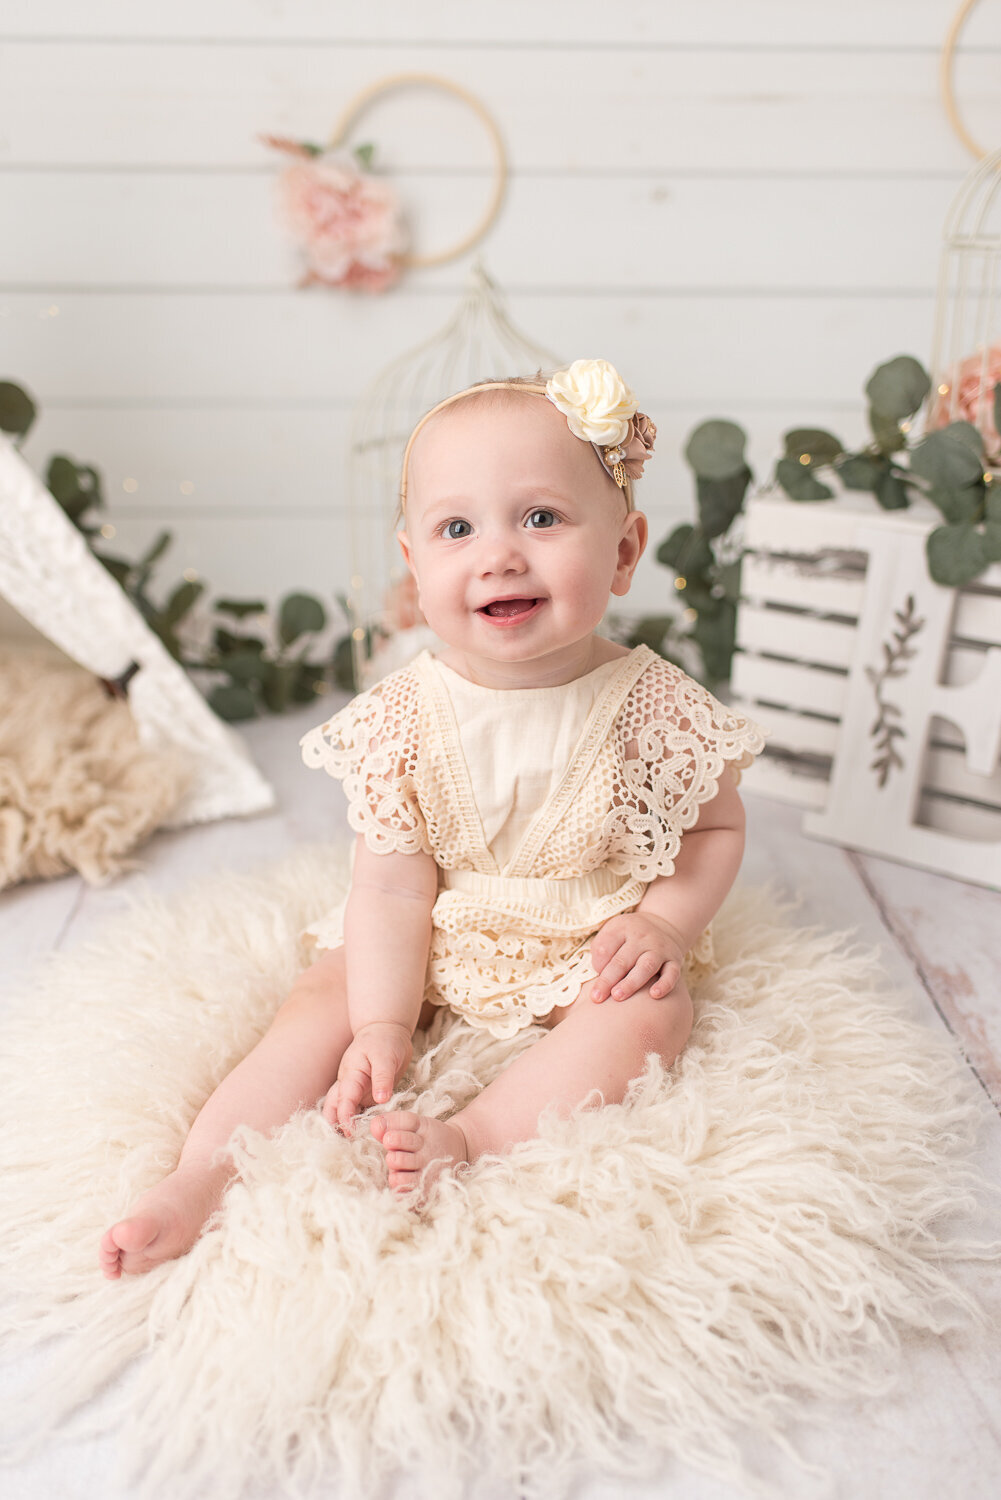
<point>58,593</point>
<point>871,639</point>
<point>166,343</point>
<point>349,223</point>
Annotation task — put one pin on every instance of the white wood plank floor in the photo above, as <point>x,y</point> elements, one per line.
<point>940,941</point>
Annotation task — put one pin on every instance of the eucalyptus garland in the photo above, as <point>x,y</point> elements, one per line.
<point>256,668</point>
<point>950,466</point>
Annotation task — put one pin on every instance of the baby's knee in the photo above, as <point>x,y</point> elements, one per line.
<point>661,1026</point>
<point>319,988</point>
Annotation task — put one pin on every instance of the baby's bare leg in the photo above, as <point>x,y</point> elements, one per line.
<point>589,1047</point>
<point>292,1065</point>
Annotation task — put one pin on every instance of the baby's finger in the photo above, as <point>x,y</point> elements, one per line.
<point>383,1080</point>
<point>638,977</point>
<point>605,944</point>
<point>611,973</point>
<point>666,980</point>
<point>330,1104</point>
<point>352,1092</point>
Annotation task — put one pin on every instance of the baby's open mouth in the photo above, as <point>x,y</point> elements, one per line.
<point>509,609</point>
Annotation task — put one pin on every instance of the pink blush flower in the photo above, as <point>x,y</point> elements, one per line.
<point>348,225</point>
<point>960,405</point>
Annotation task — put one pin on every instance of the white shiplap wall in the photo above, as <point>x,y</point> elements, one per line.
<point>739,203</point>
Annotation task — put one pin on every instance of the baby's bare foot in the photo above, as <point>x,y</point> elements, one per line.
<point>164,1223</point>
<point>413,1143</point>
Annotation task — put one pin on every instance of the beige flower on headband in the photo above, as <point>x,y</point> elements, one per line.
<point>595,400</point>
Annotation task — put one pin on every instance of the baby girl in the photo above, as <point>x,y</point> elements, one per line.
<point>546,821</point>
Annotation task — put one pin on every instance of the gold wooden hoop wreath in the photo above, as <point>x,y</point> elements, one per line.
<point>945,79</point>
<point>430,80</point>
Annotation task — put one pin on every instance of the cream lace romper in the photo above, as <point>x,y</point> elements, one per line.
<point>547,811</point>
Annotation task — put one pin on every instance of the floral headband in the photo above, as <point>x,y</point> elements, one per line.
<point>599,407</point>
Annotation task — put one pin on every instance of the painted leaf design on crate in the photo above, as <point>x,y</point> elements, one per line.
<point>886,732</point>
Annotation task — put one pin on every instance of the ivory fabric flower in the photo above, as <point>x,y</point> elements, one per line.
<point>960,405</point>
<point>348,224</point>
<point>595,400</point>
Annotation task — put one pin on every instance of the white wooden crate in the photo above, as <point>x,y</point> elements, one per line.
<point>803,587</point>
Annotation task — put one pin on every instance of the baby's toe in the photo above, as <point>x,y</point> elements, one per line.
<point>400,1119</point>
<point>402,1140</point>
<point>404,1182</point>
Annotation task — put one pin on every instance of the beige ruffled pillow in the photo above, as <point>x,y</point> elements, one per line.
<point>77,790</point>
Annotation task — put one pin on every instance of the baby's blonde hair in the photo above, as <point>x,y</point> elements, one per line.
<point>534,385</point>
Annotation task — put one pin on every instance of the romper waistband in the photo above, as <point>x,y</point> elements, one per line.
<point>505,888</point>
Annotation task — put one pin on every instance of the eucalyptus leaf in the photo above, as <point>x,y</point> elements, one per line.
<point>814,443</point>
<point>992,541</point>
<point>947,459</point>
<point>992,502</point>
<point>716,638</point>
<point>306,681</point>
<point>892,492</point>
<point>652,631</point>
<point>240,608</point>
<point>299,614</point>
<point>63,480</point>
<point>858,471</point>
<point>226,642</point>
<point>715,449</point>
<point>233,702</point>
<point>720,500</point>
<point>897,389</point>
<point>958,505</point>
<point>799,483</point>
<point>698,595</point>
<point>17,410</point>
<point>277,684</point>
<point>956,554</point>
<point>343,665</point>
<point>155,552</point>
<point>118,567</point>
<point>364,154</point>
<point>686,550</point>
<point>245,666</point>
<point>181,601</point>
<point>967,433</point>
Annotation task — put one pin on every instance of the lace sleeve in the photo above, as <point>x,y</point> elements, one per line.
<point>674,741</point>
<point>371,745</point>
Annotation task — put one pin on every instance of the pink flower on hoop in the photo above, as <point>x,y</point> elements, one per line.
<point>348,224</point>
<point>968,387</point>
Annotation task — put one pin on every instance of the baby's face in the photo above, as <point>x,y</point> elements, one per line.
<point>514,532</point>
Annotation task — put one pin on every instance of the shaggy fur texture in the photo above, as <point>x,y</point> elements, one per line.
<point>77,790</point>
<point>653,1278</point>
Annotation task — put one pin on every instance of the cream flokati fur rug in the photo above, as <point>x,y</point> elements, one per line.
<point>652,1279</point>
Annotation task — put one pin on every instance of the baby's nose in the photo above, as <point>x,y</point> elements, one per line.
<point>502,553</point>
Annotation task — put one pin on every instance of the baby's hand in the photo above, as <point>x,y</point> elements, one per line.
<point>633,951</point>
<point>368,1072</point>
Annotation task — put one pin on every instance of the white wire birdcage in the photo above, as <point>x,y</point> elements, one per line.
<point>479,342</point>
<point>966,344</point>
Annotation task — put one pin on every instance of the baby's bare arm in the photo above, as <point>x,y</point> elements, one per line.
<point>646,947</point>
<point>387,933</point>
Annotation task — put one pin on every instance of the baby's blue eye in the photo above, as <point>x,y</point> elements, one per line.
<point>540,519</point>
<point>456,529</point>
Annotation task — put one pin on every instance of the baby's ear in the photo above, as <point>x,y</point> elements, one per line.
<point>404,541</point>
<point>632,544</point>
